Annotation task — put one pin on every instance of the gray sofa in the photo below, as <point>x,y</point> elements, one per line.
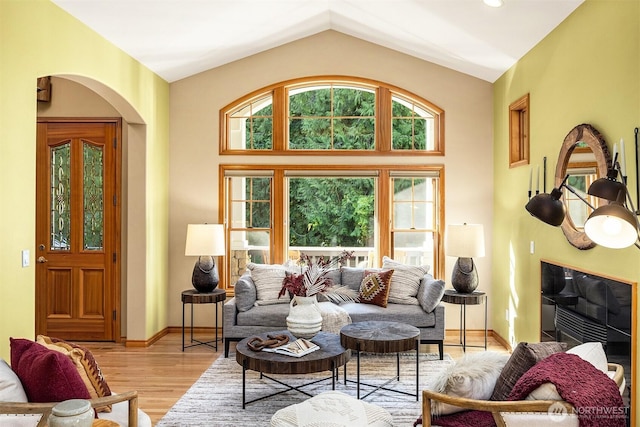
<point>243,318</point>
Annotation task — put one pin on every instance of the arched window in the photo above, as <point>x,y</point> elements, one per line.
<point>321,115</point>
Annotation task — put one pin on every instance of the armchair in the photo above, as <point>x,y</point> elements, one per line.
<point>44,409</point>
<point>518,412</point>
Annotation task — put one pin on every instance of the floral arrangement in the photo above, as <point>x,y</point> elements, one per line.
<point>313,279</point>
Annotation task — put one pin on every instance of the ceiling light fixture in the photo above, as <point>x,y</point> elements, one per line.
<point>493,3</point>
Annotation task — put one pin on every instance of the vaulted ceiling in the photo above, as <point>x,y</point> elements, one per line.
<point>180,38</point>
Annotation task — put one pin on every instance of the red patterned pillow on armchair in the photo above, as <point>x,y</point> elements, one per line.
<point>46,375</point>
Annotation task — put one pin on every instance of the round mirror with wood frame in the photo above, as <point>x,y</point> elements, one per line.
<point>581,135</point>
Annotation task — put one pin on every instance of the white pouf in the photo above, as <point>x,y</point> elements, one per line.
<point>334,317</point>
<point>332,409</point>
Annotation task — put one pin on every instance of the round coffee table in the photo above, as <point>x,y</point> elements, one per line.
<point>382,337</point>
<point>329,357</point>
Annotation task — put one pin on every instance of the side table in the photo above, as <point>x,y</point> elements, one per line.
<point>452,296</point>
<point>192,296</point>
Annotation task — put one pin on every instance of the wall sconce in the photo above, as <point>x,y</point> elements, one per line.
<point>205,241</point>
<point>613,225</point>
<point>464,241</point>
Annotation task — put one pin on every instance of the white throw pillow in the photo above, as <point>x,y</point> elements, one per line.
<point>473,376</point>
<point>405,281</point>
<point>592,352</point>
<point>268,280</point>
<point>10,386</point>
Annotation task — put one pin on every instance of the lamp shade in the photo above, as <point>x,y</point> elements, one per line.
<point>204,239</point>
<point>465,240</point>
<point>612,226</point>
<point>547,207</point>
<point>609,189</point>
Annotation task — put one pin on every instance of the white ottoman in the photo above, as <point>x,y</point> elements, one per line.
<point>332,409</point>
<point>334,317</point>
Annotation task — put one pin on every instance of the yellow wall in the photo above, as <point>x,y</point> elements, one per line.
<point>586,71</point>
<point>38,39</point>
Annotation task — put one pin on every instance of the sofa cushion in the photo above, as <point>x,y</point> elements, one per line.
<point>405,281</point>
<point>351,277</point>
<point>521,360</point>
<point>268,281</point>
<point>46,375</point>
<point>374,288</point>
<point>85,364</point>
<point>403,313</point>
<point>430,293</point>
<point>10,386</point>
<point>274,315</point>
<point>245,292</point>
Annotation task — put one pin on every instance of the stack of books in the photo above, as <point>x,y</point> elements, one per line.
<point>297,348</point>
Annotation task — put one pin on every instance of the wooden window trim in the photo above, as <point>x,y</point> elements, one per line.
<point>384,93</point>
<point>519,132</point>
<point>384,244</point>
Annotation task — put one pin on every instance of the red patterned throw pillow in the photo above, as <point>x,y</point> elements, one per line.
<point>85,364</point>
<point>375,286</point>
<point>46,375</point>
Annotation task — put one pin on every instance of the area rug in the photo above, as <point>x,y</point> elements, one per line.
<point>216,398</point>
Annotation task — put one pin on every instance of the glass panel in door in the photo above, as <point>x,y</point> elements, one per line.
<point>93,197</point>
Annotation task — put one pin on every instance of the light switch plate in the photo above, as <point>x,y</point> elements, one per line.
<point>25,258</point>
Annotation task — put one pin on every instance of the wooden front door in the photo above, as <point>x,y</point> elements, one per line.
<point>78,229</point>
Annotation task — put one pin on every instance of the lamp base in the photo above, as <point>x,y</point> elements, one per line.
<point>205,275</point>
<point>465,276</point>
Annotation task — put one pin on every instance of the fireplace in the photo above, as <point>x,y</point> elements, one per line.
<point>578,307</point>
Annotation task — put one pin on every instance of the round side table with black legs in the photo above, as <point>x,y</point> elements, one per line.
<point>192,296</point>
<point>452,296</point>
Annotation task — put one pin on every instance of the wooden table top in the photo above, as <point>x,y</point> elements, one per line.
<point>192,296</point>
<point>454,297</point>
<point>330,356</point>
<point>104,423</point>
<point>379,336</point>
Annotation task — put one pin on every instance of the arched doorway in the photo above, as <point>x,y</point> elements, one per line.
<point>90,300</point>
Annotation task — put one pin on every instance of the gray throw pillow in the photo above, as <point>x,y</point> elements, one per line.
<point>430,293</point>
<point>352,277</point>
<point>525,356</point>
<point>245,292</point>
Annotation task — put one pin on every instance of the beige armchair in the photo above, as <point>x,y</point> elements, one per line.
<point>509,413</point>
<point>44,409</point>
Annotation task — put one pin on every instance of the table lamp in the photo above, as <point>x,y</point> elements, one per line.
<point>464,241</point>
<point>205,241</point>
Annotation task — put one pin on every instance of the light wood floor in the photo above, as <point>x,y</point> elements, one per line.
<point>162,373</point>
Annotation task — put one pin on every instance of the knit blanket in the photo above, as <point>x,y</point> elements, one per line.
<point>594,395</point>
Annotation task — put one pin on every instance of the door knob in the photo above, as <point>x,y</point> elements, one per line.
<point>42,259</point>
